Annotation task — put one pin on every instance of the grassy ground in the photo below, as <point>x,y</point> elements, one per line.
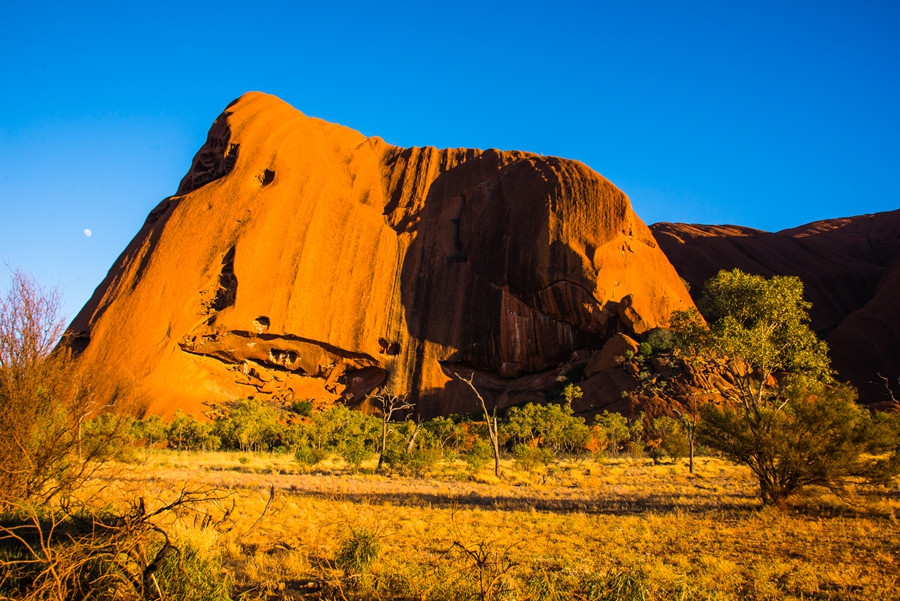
<point>625,528</point>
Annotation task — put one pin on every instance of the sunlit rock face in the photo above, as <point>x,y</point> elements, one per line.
<point>301,259</point>
<point>850,268</point>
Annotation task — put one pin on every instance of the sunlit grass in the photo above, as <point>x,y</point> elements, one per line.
<point>704,536</point>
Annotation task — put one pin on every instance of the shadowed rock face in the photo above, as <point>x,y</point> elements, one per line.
<point>300,259</point>
<point>851,273</point>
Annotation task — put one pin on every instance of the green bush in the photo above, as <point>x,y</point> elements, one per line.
<point>413,462</point>
<point>552,427</point>
<point>355,451</point>
<point>479,455</point>
<point>673,442</point>
<point>249,426</point>
<point>644,349</point>
<point>660,339</point>
<point>151,431</point>
<point>530,458</point>
<point>302,407</point>
<point>189,575</point>
<point>788,420</point>
<point>358,551</point>
<point>310,456</point>
<point>614,428</point>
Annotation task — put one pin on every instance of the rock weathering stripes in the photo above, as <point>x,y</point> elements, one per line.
<point>301,259</point>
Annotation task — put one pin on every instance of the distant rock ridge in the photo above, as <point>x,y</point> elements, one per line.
<point>851,272</point>
<point>301,259</point>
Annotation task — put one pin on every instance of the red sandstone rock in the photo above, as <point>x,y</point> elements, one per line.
<point>851,272</point>
<point>300,259</point>
<point>611,355</point>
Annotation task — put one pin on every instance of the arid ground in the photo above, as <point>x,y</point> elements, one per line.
<point>589,529</point>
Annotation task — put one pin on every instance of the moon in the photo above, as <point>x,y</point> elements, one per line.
<point>88,233</point>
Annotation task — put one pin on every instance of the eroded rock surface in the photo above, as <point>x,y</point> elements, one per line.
<point>301,259</point>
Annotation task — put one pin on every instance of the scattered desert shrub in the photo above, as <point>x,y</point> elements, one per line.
<point>479,454</point>
<point>64,553</point>
<point>552,427</point>
<point>785,417</point>
<point>669,439</point>
<point>249,426</point>
<point>310,456</point>
<point>660,340</point>
<point>302,407</point>
<point>358,551</point>
<point>413,462</point>
<point>531,458</point>
<point>613,430</point>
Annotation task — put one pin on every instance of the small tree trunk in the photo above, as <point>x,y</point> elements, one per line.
<point>384,433</point>
<point>495,443</point>
<point>412,439</point>
<point>691,455</point>
<point>491,420</point>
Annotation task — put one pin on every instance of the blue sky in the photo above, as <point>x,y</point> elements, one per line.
<point>766,114</point>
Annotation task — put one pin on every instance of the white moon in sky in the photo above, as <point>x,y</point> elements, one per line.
<point>88,233</point>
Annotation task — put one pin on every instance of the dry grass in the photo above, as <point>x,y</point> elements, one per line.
<point>681,536</point>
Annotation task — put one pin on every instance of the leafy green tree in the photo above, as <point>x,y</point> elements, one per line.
<point>389,403</point>
<point>572,392</point>
<point>660,339</point>
<point>151,430</point>
<point>614,428</point>
<point>784,416</point>
<point>446,433</point>
<point>671,437</point>
<point>186,433</point>
<point>249,426</point>
<point>552,427</point>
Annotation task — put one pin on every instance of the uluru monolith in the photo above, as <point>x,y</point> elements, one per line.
<point>300,259</point>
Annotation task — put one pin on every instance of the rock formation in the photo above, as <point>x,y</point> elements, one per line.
<point>301,259</point>
<point>851,272</point>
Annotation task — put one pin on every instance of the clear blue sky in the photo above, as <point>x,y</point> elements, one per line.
<point>765,114</point>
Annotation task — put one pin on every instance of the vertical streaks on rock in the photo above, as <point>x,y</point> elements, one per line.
<point>361,263</point>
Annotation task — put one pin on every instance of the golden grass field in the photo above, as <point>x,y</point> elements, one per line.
<point>454,534</point>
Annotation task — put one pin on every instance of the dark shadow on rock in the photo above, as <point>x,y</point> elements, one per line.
<point>485,276</point>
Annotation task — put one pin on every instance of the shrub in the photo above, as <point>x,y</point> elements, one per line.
<point>43,403</point>
<point>355,451</point>
<point>531,458</point>
<point>249,426</point>
<point>785,417</point>
<point>614,428</point>
<point>671,439</point>
<point>479,455</point>
<point>660,339</point>
<point>358,551</point>
<point>551,426</point>
<point>151,431</point>
<point>413,462</point>
<point>644,349</point>
<point>307,455</point>
<point>302,407</point>
<point>445,433</point>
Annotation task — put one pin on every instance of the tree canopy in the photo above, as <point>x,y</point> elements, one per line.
<point>783,415</point>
